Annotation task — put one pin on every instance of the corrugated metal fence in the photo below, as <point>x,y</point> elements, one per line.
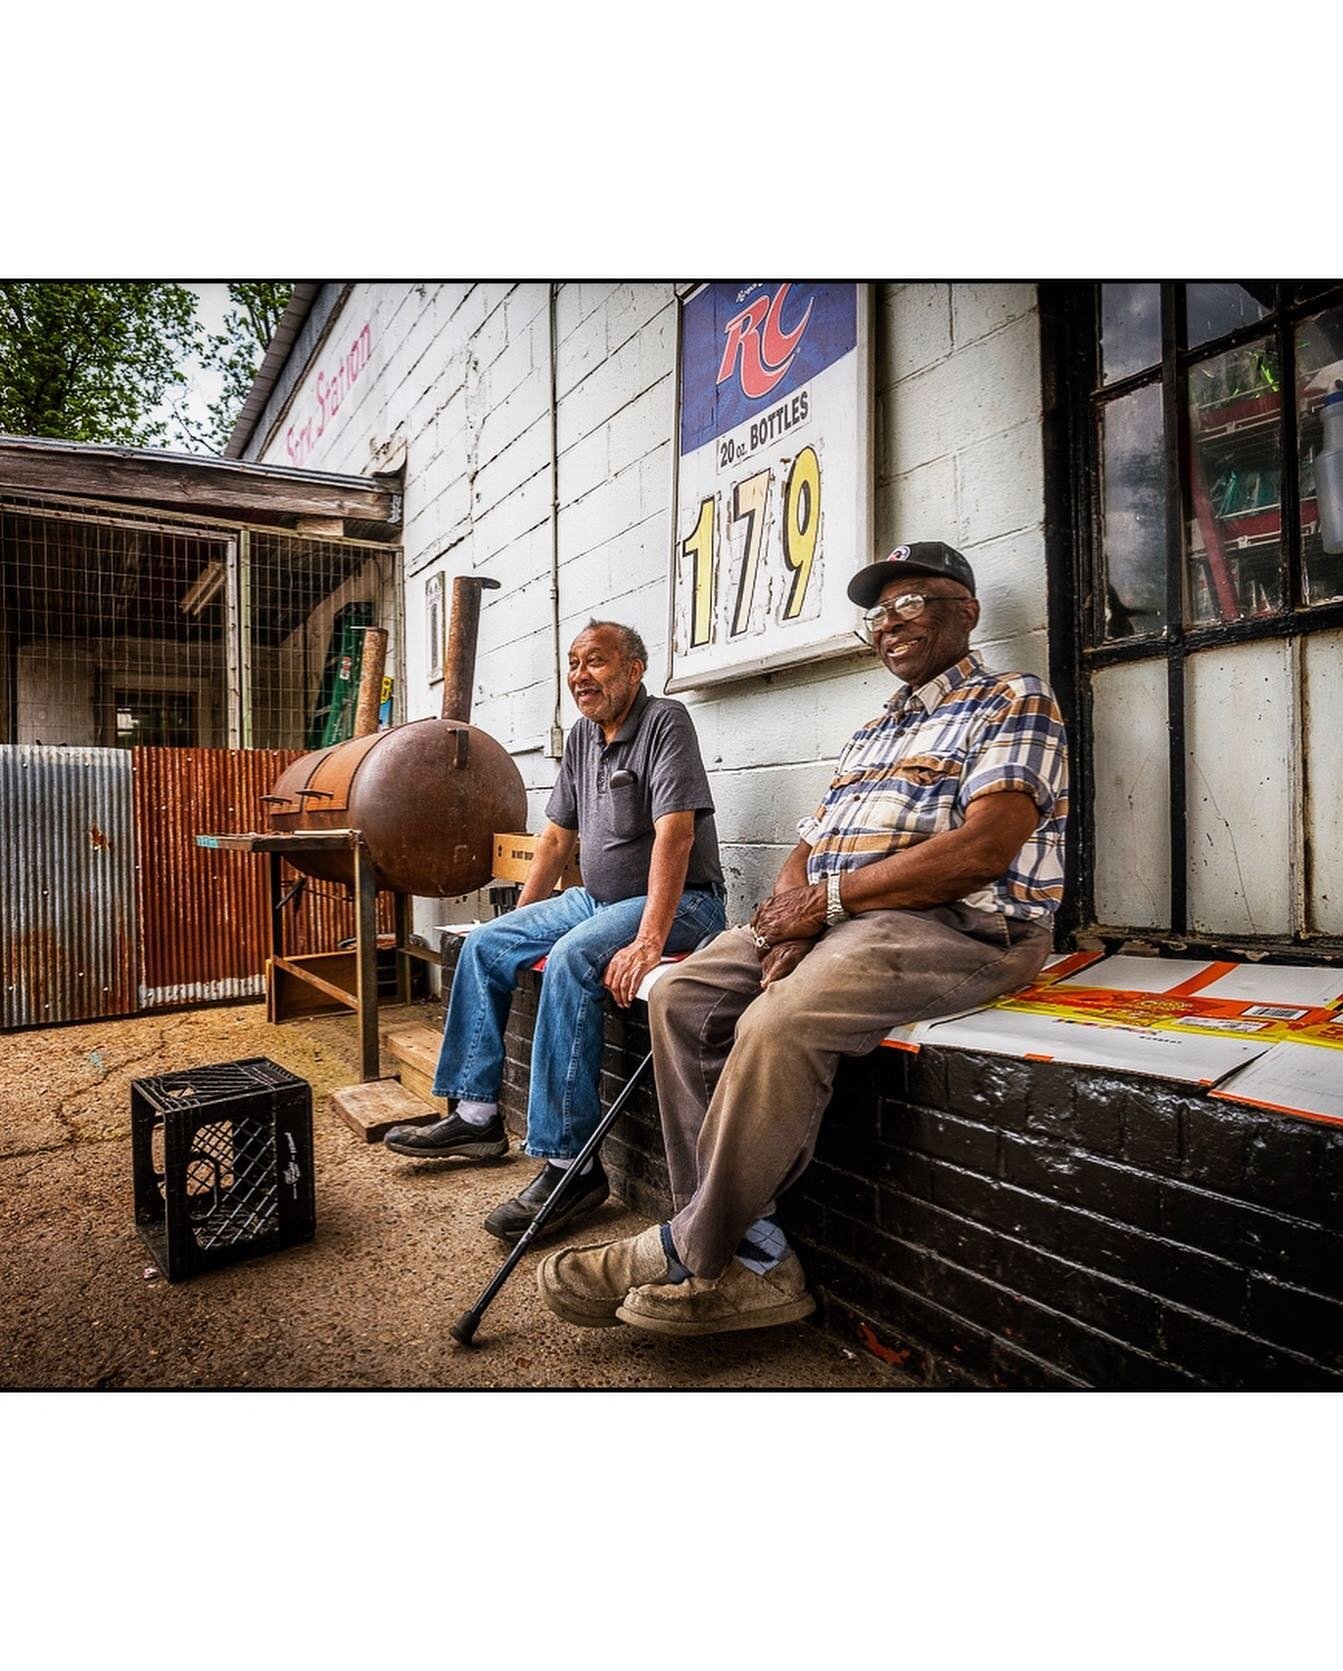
<point>67,885</point>
<point>108,907</point>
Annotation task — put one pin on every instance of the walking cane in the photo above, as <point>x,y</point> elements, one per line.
<point>465,1327</point>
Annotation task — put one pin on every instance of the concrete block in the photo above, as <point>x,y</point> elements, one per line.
<point>517,622</point>
<point>517,514</point>
<point>513,366</point>
<point>638,557</point>
<point>613,384</point>
<point>919,505</point>
<point>977,309</point>
<point>630,307</point>
<point>765,804</point>
<point>655,481</point>
<point>1011,578</point>
<point>584,465</point>
<point>1000,483</point>
<point>512,415</point>
<point>749,873</point>
<point>1028,653</point>
<point>528,309</point>
<point>979,391</point>
<point>608,510</point>
<point>913,330</point>
<point>585,587</point>
<point>518,461</point>
<point>642,426</point>
<point>581,352</point>
<point>763,727</point>
<point>657,346</point>
<point>490,337</point>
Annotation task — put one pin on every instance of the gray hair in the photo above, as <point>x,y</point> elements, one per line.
<point>632,647</point>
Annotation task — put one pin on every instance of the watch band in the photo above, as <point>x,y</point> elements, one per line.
<point>834,906</point>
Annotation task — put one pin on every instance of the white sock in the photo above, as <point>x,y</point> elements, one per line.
<point>564,1165</point>
<point>477,1113</point>
<point>763,1246</point>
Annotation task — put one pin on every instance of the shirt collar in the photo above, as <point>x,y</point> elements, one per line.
<point>632,719</point>
<point>938,689</point>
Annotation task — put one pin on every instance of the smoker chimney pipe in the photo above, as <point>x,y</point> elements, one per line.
<point>371,669</point>
<point>459,659</point>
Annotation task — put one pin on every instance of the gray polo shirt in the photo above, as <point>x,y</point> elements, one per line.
<point>658,747</point>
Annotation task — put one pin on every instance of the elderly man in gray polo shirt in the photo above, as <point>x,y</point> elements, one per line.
<point>633,788</point>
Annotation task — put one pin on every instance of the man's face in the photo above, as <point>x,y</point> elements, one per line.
<point>918,650</point>
<point>602,681</point>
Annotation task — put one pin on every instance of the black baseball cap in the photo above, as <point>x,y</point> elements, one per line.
<point>924,557</point>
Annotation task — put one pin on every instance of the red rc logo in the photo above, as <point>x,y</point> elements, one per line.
<point>764,348</point>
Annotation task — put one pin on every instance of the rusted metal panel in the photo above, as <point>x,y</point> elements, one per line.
<point>67,885</point>
<point>204,913</point>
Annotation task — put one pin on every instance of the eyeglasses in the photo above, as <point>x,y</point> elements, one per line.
<point>908,607</point>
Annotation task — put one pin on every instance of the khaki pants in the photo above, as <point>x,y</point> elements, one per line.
<point>744,1074</point>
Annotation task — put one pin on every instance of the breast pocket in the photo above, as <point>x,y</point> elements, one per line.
<point>629,817</point>
<point>917,793</point>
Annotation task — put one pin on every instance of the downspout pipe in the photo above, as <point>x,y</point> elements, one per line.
<point>555,742</point>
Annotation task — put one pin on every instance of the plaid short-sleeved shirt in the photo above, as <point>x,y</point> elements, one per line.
<point>911,773</point>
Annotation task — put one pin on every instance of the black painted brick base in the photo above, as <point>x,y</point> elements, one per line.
<point>975,1221</point>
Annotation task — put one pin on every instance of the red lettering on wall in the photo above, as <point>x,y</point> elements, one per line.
<point>331,386</point>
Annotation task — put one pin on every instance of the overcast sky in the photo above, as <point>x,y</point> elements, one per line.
<point>203,386</point>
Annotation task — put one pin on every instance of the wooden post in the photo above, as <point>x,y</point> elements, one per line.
<point>366,944</point>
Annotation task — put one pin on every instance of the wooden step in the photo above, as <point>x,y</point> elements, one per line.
<point>415,1051</point>
<point>372,1109</point>
<point>416,1047</point>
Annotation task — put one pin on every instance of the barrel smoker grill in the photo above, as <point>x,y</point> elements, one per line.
<point>413,810</point>
<point>426,797</point>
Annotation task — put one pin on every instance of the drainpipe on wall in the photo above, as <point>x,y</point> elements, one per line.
<point>555,744</point>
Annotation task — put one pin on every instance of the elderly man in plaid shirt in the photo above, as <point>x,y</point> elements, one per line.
<point>923,885</point>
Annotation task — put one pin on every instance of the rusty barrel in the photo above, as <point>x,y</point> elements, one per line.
<point>428,797</point>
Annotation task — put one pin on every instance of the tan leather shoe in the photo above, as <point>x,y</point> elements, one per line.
<point>739,1299</point>
<point>584,1285</point>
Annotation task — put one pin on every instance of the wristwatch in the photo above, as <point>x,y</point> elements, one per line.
<point>834,906</point>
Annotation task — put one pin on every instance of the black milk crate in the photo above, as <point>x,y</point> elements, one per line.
<point>223,1163</point>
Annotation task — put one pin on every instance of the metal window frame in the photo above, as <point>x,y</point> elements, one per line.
<point>1074,400</point>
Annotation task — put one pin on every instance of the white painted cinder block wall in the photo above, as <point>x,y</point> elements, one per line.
<point>458,373</point>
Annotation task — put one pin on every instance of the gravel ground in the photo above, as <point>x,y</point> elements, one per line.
<point>399,1252</point>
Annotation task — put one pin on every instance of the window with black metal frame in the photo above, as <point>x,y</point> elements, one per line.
<point>1199,623</point>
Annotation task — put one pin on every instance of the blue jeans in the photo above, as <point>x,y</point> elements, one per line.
<point>578,936</point>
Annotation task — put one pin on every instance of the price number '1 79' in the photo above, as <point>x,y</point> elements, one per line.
<point>749,501</point>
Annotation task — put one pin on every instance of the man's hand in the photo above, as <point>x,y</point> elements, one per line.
<point>782,959</point>
<point>628,967</point>
<point>794,914</point>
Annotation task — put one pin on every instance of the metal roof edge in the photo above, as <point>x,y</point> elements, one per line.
<point>206,464</point>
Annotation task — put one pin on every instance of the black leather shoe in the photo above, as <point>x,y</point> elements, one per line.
<point>508,1221</point>
<point>453,1136</point>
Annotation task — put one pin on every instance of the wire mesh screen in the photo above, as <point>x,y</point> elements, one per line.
<point>123,631</point>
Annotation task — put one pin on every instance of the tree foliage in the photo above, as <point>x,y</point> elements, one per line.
<point>92,362</point>
<point>256,308</point>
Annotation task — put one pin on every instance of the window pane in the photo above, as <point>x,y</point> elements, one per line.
<point>1130,329</point>
<point>1235,485</point>
<point>1319,374</point>
<point>1133,494</point>
<point>1211,310</point>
